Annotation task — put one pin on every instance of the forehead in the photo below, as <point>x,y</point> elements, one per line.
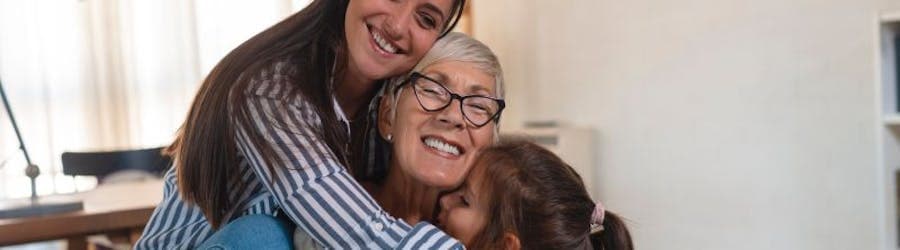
<point>482,165</point>
<point>477,183</point>
<point>462,77</point>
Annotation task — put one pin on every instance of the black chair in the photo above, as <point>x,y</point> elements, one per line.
<point>102,164</point>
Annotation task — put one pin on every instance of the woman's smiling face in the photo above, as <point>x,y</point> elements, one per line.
<point>437,148</point>
<point>386,38</point>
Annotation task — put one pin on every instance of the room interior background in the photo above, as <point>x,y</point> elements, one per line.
<point>103,75</point>
<point>719,124</point>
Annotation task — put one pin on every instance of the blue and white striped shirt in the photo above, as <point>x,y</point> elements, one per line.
<point>307,183</point>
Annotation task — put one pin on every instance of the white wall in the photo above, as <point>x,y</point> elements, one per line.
<point>720,124</point>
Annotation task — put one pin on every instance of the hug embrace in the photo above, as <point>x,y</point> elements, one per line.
<point>366,124</point>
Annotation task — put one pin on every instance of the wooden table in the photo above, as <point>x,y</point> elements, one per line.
<point>118,210</point>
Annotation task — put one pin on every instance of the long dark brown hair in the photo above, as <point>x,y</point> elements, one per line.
<point>542,200</point>
<point>312,42</point>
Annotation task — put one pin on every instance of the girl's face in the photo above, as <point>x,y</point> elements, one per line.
<point>437,148</point>
<point>464,212</point>
<point>387,37</point>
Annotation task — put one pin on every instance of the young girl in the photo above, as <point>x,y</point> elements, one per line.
<point>521,196</point>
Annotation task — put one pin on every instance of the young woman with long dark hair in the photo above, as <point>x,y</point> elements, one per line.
<point>270,131</point>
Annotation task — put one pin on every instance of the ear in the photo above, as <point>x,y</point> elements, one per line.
<point>385,117</point>
<point>511,241</point>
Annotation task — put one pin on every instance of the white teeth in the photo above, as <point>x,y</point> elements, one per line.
<point>383,44</point>
<point>441,146</point>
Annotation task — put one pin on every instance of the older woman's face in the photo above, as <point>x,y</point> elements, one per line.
<point>437,148</point>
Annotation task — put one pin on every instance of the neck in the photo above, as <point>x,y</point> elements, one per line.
<point>353,92</point>
<point>404,197</point>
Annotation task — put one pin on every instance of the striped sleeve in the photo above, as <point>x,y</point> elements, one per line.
<point>174,223</point>
<point>313,189</point>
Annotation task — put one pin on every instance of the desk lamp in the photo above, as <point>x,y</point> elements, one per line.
<point>36,205</point>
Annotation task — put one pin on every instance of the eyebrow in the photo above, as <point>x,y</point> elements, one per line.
<point>478,88</point>
<point>440,77</point>
<point>473,89</point>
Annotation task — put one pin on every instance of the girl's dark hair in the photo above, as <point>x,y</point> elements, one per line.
<point>542,200</point>
<point>312,43</point>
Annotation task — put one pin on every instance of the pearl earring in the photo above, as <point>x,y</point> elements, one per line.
<point>389,137</point>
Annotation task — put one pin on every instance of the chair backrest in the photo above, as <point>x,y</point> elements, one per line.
<point>101,164</point>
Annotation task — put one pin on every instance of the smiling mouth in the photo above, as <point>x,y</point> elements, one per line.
<point>381,42</point>
<point>443,146</point>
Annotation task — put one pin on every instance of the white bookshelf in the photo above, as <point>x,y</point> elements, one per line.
<point>891,119</point>
<point>888,131</point>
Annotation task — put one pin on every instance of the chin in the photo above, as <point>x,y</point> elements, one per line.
<point>441,181</point>
<point>369,69</point>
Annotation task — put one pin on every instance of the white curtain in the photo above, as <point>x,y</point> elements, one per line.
<point>109,74</point>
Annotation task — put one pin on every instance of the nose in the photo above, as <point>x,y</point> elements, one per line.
<point>397,24</point>
<point>450,200</point>
<point>452,116</point>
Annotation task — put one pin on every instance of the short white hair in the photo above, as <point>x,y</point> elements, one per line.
<point>458,47</point>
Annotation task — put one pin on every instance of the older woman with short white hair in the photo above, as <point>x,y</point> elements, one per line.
<point>435,119</point>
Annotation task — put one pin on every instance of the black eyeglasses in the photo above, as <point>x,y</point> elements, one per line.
<point>433,96</point>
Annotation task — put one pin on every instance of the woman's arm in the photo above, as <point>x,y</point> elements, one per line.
<point>313,188</point>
